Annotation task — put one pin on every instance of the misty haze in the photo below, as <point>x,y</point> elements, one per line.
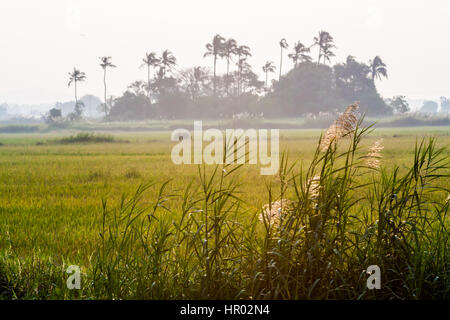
<point>206,150</point>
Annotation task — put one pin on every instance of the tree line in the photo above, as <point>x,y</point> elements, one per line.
<point>310,86</point>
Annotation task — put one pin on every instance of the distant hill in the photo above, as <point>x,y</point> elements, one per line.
<point>91,104</point>
<point>417,104</point>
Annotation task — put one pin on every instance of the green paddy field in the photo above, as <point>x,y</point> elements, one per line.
<point>52,215</point>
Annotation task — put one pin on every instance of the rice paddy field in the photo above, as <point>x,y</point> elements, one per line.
<point>141,227</point>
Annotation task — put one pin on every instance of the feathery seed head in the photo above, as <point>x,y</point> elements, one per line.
<point>342,126</point>
<point>374,155</point>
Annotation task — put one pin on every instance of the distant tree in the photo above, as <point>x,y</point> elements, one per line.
<point>283,45</point>
<point>77,112</point>
<point>445,105</point>
<point>150,60</point>
<point>250,82</point>
<point>131,105</point>
<point>137,87</point>
<point>243,67</point>
<point>55,113</point>
<point>195,81</point>
<point>353,84</point>
<point>268,67</point>
<point>399,104</point>
<point>351,76</point>
<point>215,49</point>
<point>377,69</point>
<point>242,53</point>
<point>167,62</point>
<point>429,107</point>
<point>327,54</point>
<point>325,42</point>
<point>74,77</point>
<point>229,49</point>
<point>105,62</point>
<point>299,54</point>
<point>53,116</point>
<point>309,88</point>
<point>172,102</point>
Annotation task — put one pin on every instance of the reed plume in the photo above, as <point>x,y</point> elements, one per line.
<point>374,155</point>
<point>273,212</point>
<point>314,186</point>
<point>341,127</point>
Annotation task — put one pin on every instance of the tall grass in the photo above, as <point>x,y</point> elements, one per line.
<point>328,222</point>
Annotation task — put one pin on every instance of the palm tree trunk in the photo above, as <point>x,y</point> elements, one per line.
<point>148,83</point>
<point>104,83</point>
<point>228,71</point>
<point>239,76</point>
<point>215,60</point>
<point>281,62</point>
<point>318,60</point>
<point>76,99</point>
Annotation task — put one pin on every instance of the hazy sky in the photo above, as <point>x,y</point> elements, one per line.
<point>41,41</point>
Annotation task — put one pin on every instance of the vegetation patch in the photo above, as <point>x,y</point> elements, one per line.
<point>86,137</point>
<point>132,174</point>
<point>414,122</point>
<point>19,129</point>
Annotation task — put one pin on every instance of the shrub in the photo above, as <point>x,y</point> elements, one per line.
<point>85,137</point>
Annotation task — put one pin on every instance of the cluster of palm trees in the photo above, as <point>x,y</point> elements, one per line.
<point>300,53</point>
<point>78,76</point>
<point>230,50</point>
<point>165,62</point>
<point>220,47</point>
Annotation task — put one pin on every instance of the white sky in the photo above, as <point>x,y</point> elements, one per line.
<point>41,41</point>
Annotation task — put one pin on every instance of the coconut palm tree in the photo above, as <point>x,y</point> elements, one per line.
<point>215,49</point>
<point>105,62</point>
<point>150,60</point>
<point>242,53</point>
<point>166,62</point>
<point>229,49</point>
<point>74,77</point>
<point>325,42</point>
<point>299,54</point>
<point>268,67</point>
<point>283,45</point>
<point>377,69</point>
<point>327,54</point>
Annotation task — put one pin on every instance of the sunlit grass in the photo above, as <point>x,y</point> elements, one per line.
<point>51,197</point>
